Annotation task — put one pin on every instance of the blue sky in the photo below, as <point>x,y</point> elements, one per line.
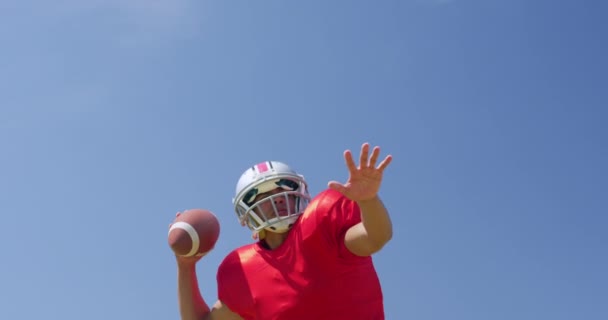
<point>116,114</point>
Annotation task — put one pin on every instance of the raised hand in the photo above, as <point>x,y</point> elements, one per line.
<point>364,180</point>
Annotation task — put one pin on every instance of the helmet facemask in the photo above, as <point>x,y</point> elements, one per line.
<point>276,212</point>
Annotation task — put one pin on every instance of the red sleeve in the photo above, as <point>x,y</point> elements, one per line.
<point>338,214</point>
<point>224,280</point>
<point>232,286</point>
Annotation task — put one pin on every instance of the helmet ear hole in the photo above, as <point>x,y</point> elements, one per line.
<point>250,196</point>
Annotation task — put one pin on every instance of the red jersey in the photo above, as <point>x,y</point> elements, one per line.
<point>311,275</point>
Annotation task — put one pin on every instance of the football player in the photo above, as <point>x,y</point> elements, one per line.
<point>312,258</point>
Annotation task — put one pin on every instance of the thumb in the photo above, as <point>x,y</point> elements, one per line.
<point>335,185</point>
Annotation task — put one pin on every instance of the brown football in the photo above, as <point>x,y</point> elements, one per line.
<point>194,232</point>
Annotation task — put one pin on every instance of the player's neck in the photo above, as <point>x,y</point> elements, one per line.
<point>274,240</point>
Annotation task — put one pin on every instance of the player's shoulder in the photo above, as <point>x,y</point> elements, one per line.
<point>234,257</point>
<point>327,199</point>
<point>238,256</point>
<point>231,274</point>
<point>328,195</point>
<point>324,204</point>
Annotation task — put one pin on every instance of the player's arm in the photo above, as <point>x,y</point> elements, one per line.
<point>375,228</point>
<point>373,232</point>
<point>221,312</point>
<point>192,306</point>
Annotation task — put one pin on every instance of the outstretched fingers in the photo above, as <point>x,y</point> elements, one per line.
<point>387,160</point>
<point>350,162</point>
<point>365,161</point>
<point>374,158</point>
<point>364,154</point>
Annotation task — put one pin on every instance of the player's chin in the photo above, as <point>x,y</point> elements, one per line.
<point>283,213</point>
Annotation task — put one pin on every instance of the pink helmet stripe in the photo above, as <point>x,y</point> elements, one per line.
<point>262,167</point>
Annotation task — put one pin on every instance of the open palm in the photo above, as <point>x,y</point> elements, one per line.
<point>364,180</point>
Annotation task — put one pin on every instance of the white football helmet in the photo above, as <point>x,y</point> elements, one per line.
<point>276,212</point>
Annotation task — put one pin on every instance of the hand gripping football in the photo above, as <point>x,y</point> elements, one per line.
<point>194,232</point>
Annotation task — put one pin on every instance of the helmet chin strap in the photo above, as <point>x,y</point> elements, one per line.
<point>259,235</point>
<point>281,226</point>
